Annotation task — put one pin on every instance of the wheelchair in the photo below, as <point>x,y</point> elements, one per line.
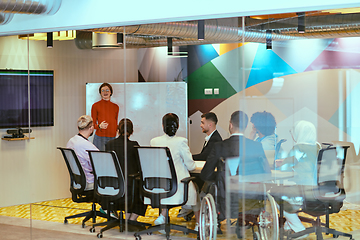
<point>264,222</point>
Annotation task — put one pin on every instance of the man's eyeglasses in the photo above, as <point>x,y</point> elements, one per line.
<point>105,90</point>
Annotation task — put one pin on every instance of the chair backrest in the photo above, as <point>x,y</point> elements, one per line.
<point>330,169</point>
<point>278,148</point>
<point>158,175</point>
<point>77,174</point>
<point>238,166</point>
<point>109,182</point>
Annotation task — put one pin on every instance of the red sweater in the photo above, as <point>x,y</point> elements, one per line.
<point>105,111</point>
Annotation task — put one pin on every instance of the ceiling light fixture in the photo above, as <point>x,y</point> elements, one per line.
<point>301,22</point>
<point>120,38</point>
<point>169,45</point>
<point>201,29</point>
<point>268,39</point>
<point>49,39</point>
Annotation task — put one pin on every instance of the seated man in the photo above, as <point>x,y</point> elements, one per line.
<point>80,144</point>
<point>235,146</point>
<point>208,126</point>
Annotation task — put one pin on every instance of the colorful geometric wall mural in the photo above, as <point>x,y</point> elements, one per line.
<point>298,64</point>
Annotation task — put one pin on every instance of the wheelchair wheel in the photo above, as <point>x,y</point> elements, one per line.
<point>269,220</point>
<point>208,218</point>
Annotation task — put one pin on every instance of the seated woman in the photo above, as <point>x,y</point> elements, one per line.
<point>263,131</point>
<point>302,160</point>
<point>183,163</point>
<point>136,205</point>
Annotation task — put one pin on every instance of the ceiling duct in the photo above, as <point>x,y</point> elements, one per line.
<point>183,33</point>
<point>10,7</point>
<point>323,26</point>
<point>5,18</point>
<point>230,30</point>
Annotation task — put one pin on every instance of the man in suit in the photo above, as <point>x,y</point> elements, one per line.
<point>208,126</point>
<point>236,146</point>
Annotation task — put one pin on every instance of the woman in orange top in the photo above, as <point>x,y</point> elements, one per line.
<point>105,116</point>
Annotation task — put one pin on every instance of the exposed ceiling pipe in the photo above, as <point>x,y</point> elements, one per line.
<point>5,18</point>
<point>325,26</point>
<point>84,40</point>
<point>213,29</point>
<point>216,31</point>
<point>228,30</point>
<point>10,7</point>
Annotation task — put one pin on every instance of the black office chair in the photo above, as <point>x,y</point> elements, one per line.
<point>78,185</point>
<point>158,183</point>
<point>109,189</point>
<point>328,196</point>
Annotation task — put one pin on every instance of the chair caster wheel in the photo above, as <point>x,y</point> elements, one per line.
<point>185,233</point>
<point>189,216</point>
<point>65,221</point>
<point>335,236</point>
<point>137,237</point>
<point>99,235</point>
<point>83,225</point>
<point>92,230</point>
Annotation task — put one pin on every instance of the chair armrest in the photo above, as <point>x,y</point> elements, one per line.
<point>134,175</point>
<point>187,180</point>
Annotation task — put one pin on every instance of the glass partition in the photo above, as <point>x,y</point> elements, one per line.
<point>279,89</point>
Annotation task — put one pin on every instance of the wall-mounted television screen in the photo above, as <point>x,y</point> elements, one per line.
<point>14,103</point>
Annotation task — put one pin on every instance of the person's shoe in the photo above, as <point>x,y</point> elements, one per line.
<point>111,214</point>
<point>184,212</point>
<point>102,210</point>
<point>114,215</point>
<point>196,228</point>
<point>160,220</point>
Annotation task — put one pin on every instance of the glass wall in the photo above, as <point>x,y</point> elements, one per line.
<point>282,87</point>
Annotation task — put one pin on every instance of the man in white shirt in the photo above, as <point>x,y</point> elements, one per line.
<point>208,126</point>
<point>81,144</point>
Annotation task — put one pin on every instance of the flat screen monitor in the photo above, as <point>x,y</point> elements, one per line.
<point>14,102</point>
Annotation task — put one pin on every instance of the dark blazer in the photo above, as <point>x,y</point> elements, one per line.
<point>253,159</point>
<point>249,150</point>
<point>215,137</point>
<point>117,145</point>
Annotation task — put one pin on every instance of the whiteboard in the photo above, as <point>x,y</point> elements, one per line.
<point>145,104</point>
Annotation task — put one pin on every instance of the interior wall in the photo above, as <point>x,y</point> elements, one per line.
<point>34,170</point>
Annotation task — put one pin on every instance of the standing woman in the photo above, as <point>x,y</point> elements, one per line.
<point>105,114</point>
<point>183,163</point>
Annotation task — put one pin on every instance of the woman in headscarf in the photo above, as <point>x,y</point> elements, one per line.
<point>302,159</point>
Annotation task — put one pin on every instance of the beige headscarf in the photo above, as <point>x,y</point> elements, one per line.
<point>305,133</point>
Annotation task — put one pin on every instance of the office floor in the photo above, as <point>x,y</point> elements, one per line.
<point>48,220</point>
